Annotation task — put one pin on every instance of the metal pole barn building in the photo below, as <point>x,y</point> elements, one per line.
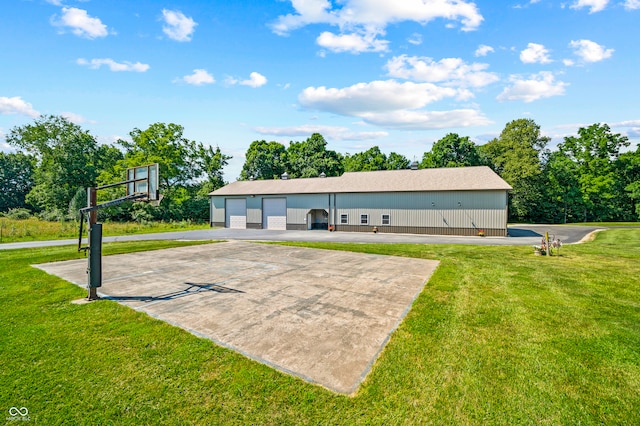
<point>444,201</point>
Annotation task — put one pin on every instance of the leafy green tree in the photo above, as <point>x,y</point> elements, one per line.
<point>66,158</point>
<point>628,166</point>
<point>311,158</point>
<point>264,160</point>
<point>452,151</point>
<point>374,159</point>
<point>16,180</point>
<point>371,159</point>
<point>212,162</point>
<point>562,189</point>
<point>163,144</point>
<point>188,170</point>
<point>397,161</point>
<point>516,157</point>
<point>595,150</point>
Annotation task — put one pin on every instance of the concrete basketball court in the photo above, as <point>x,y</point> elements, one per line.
<point>321,315</point>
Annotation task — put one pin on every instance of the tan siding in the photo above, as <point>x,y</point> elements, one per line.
<point>477,210</point>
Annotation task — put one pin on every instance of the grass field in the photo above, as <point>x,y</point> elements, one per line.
<point>12,231</point>
<point>498,336</point>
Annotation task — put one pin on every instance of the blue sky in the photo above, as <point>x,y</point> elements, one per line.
<point>398,74</point>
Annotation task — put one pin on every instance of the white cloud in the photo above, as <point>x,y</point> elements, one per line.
<point>17,105</point>
<point>538,86</point>
<point>590,51</point>
<point>594,5</point>
<point>522,6</point>
<point>415,39</point>
<point>177,26</point>
<point>535,53</point>
<point>113,65</point>
<point>424,120</point>
<point>377,96</point>
<point>627,123</point>
<point>331,132</point>
<point>81,23</point>
<point>353,43</point>
<point>365,19</point>
<point>198,78</point>
<point>483,50</point>
<point>74,118</point>
<point>452,71</point>
<point>255,80</point>
<point>632,4</point>
<point>389,103</point>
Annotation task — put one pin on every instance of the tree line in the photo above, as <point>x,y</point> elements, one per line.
<point>588,178</point>
<point>57,160</point>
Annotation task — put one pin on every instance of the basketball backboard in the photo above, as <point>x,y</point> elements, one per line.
<point>143,180</point>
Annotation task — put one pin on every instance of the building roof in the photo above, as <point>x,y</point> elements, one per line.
<point>480,178</point>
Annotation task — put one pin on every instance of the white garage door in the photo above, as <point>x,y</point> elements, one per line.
<point>274,213</point>
<point>236,213</point>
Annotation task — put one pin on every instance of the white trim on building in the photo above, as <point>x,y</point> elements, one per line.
<point>450,201</point>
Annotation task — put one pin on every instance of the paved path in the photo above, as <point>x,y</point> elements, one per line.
<point>518,235</point>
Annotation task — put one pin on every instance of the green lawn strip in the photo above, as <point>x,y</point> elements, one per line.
<point>498,336</point>
<point>602,224</point>
<point>12,231</point>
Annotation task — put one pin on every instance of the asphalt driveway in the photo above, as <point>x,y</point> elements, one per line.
<point>518,235</point>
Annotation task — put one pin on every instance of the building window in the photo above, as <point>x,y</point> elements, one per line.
<point>364,219</point>
<point>386,219</point>
<point>344,219</point>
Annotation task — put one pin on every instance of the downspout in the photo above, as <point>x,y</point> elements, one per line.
<point>329,216</point>
<point>335,211</point>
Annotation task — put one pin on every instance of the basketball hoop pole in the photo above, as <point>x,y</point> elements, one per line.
<point>94,269</point>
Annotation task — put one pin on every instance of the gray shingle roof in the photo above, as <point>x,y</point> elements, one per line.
<point>441,179</point>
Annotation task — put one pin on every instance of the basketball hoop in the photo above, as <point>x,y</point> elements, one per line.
<point>142,185</point>
<point>144,180</point>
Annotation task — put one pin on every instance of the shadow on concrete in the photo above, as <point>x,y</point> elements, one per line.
<point>193,288</point>
<point>520,232</point>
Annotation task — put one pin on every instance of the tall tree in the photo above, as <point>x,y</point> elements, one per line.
<point>66,159</point>
<point>562,189</point>
<point>311,158</point>
<point>397,161</point>
<point>628,167</point>
<point>182,162</point>
<point>452,151</point>
<point>188,170</point>
<point>16,180</point>
<point>264,160</point>
<point>595,150</point>
<point>371,159</point>
<point>516,157</point>
<point>212,162</point>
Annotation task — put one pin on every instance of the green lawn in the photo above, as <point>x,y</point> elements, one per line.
<point>12,230</point>
<point>498,336</point>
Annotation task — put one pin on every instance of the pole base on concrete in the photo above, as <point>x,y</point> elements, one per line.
<point>93,294</point>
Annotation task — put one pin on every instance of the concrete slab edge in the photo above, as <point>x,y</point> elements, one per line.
<point>353,390</point>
